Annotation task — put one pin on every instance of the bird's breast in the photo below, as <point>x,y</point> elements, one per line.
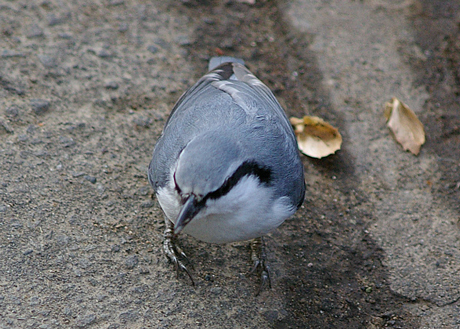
<point>248,211</point>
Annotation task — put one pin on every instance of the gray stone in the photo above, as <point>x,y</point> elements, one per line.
<point>116,2</point>
<point>85,320</point>
<point>90,179</point>
<point>33,31</point>
<point>7,53</point>
<point>147,204</point>
<point>12,111</point>
<point>40,106</point>
<point>131,261</point>
<point>66,141</point>
<point>123,27</point>
<point>6,127</point>
<point>184,40</point>
<point>47,61</point>
<point>152,49</point>
<point>111,85</point>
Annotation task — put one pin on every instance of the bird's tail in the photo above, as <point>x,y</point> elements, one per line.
<point>216,61</point>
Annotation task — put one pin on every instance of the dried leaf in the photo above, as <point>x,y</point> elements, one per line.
<point>315,137</point>
<point>406,127</point>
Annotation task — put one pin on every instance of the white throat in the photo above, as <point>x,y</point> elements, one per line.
<point>247,211</point>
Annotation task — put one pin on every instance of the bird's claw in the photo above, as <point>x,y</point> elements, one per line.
<point>174,253</point>
<point>258,257</point>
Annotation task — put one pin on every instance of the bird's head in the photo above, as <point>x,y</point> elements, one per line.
<point>207,169</point>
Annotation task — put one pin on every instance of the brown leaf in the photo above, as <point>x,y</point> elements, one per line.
<point>405,126</point>
<point>315,137</point>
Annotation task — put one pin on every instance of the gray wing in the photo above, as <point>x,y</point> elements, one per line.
<point>201,108</point>
<point>253,96</point>
<point>231,97</point>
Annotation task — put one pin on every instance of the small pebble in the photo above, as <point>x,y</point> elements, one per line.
<point>85,321</point>
<point>144,271</point>
<point>34,300</point>
<point>90,179</point>
<point>209,20</point>
<point>144,190</point>
<point>67,311</point>
<point>41,153</point>
<point>31,129</point>
<point>103,53</point>
<point>183,40</point>
<point>66,141</point>
<point>142,121</point>
<point>53,19</point>
<point>271,316</point>
<point>116,2</point>
<point>152,49</point>
<point>123,27</point>
<point>16,224</point>
<point>128,317</point>
<point>65,35</point>
<point>40,106</point>
<point>147,204</point>
<point>7,53</point>
<point>12,111</point>
<point>6,127</point>
<point>23,138</point>
<point>163,43</point>
<point>33,31</point>
<point>216,290</point>
<point>111,85</point>
<point>131,261</point>
<point>47,61</point>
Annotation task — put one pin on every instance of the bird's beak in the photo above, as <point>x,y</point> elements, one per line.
<point>188,211</point>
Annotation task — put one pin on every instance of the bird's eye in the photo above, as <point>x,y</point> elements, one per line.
<point>178,189</point>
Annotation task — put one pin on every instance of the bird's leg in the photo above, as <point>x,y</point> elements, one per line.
<point>172,250</point>
<point>258,257</point>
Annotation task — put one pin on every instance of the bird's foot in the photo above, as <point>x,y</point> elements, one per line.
<point>173,252</point>
<point>258,258</point>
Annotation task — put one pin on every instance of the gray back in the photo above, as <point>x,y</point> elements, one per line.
<point>242,108</point>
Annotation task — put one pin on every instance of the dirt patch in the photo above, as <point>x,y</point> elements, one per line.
<point>438,34</point>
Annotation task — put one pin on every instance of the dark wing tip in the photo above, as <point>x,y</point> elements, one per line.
<point>219,60</point>
<point>225,70</point>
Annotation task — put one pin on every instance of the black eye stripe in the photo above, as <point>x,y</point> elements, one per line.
<point>247,168</point>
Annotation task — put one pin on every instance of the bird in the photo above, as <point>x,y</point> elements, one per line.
<point>226,167</point>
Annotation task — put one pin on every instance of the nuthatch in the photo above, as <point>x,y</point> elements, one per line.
<point>226,167</point>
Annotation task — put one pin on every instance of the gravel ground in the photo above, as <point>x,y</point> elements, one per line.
<point>85,89</point>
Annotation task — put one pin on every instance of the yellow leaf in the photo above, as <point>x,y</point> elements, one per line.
<point>405,126</point>
<point>315,137</point>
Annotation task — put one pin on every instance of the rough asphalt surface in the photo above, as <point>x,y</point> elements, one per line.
<point>85,89</point>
